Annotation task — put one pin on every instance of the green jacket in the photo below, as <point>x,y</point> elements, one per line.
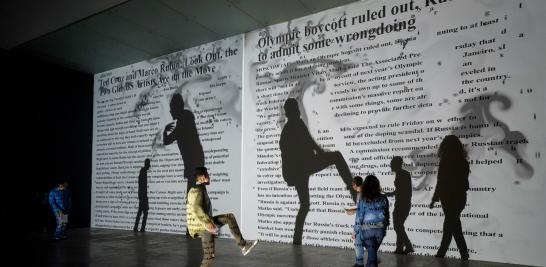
<point>197,214</point>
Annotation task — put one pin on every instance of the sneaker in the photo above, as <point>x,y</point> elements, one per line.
<point>250,244</point>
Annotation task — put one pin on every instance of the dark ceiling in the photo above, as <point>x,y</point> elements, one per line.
<point>95,36</point>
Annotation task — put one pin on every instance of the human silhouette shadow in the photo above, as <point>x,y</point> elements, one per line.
<point>402,205</point>
<point>302,157</point>
<point>186,136</point>
<point>451,186</point>
<point>142,196</point>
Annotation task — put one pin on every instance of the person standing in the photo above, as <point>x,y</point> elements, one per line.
<point>359,246</point>
<point>201,223</point>
<point>451,186</point>
<point>60,201</point>
<point>402,205</point>
<point>142,196</point>
<point>372,219</point>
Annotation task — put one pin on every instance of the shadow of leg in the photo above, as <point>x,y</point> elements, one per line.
<point>328,158</point>
<point>303,195</point>
<point>457,230</point>
<point>144,219</point>
<point>447,232</point>
<point>400,215</point>
<point>137,219</point>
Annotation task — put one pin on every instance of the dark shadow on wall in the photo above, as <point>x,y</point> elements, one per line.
<point>513,142</point>
<point>402,205</point>
<point>47,128</point>
<point>302,157</point>
<point>186,136</point>
<point>451,186</point>
<point>143,206</point>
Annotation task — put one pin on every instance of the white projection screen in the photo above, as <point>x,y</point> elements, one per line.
<point>362,83</point>
<point>136,118</point>
<point>378,79</point>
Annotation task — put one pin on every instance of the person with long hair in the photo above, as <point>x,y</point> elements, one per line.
<point>451,186</point>
<point>372,219</point>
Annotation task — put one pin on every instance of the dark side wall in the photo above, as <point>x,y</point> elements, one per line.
<point>48,132</point>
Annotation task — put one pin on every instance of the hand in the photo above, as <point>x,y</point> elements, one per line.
<point>211,228</point>
<point>353,236</point>
<point>350,211</point>
<point>169,127</point>
<point>431,205</point>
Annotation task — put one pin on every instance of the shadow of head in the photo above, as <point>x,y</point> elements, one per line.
<point>291,108</point>
<point>177,106</point>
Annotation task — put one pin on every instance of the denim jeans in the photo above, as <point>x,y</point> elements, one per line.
<point>372,239</point>
<point>60,231</point>
<point>360,253</point>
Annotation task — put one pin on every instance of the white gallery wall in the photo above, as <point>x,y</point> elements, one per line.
<point>378,79</point>
<point>132,109</point>
<point>372,80</point>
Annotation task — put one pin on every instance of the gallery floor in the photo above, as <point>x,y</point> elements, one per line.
<point>99,247</point>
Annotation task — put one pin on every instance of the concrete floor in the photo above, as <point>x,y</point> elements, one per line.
<point>100,247</point>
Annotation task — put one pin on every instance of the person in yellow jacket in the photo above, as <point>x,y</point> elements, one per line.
<point>201,223</point>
